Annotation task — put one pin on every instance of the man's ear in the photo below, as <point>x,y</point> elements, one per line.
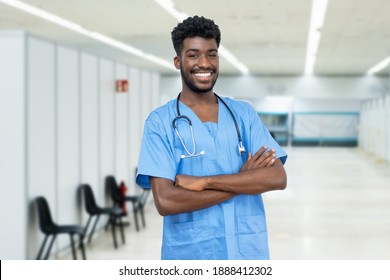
<point>176,61</point>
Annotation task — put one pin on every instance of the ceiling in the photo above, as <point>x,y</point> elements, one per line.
<point>267,36</point>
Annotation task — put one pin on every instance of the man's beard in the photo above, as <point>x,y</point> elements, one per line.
<point>191,85</point>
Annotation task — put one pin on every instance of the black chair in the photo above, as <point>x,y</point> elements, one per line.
<point>138,201</point>
<point>94,210</point>
<point>49,228</point>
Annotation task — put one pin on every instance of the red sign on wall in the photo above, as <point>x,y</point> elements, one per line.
<point>122,86</point>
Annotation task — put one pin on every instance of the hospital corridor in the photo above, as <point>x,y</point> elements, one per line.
<point>100,100</point>
<point>336,207</point>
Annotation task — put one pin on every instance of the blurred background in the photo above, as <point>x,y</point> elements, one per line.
<point>79,78</point>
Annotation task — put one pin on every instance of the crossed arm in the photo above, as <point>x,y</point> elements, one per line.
<point>260,173</point>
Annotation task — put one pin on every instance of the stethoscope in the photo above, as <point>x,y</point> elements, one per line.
<point>241,148</point>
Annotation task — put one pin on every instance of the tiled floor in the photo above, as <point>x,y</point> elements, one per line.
<point>336,206</point>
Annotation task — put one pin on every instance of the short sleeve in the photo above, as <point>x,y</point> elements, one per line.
<point>156,155</point>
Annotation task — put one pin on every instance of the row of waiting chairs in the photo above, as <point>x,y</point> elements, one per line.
<point>115,213</point>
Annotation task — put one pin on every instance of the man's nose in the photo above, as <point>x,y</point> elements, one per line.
<point>204,60</point>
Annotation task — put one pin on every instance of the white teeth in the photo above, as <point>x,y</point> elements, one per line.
<point>202,74</point>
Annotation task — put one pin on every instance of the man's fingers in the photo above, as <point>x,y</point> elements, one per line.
<point>271,162</point>
<point>261,158</point>
<point>260,152</point>
<point>266,158</point>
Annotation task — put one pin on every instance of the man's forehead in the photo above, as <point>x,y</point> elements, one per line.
<point>199,43</point>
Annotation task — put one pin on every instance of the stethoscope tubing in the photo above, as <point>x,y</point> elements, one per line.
<point>180,116</point>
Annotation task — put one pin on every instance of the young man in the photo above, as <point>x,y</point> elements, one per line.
<point>208,159</point>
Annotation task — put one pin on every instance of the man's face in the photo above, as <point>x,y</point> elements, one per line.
<point>199,64</point>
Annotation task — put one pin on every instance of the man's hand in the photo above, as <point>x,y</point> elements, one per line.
<point>260,159</point>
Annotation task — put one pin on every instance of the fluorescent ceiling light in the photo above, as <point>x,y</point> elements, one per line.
<point>79,29</point>
<point>318,11</point>
<point>169,6</point>
<point>232,59</point>
<point>380,66</point>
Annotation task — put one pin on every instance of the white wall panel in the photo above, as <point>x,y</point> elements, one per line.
<point>370,129</point>
<point>171,86</point>
<point>325,126</point>
<point>12,147</point>
<point>363,126</point>
<point>145,97</point>
<point>41,157</point>
<point>376,127</point>
<point>387,106</point>
<point>135,122</point>
<point>155,91</point>
<point>146,89</point>
<point>89,122</point>
<point>272,104</point>
<point>380,149</point>
<point>68,139</point>
<point>326,105</point>
<point>106,120</point>
<point>121,127</point>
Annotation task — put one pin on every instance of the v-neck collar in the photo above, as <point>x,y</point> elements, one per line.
<point>187,111</point>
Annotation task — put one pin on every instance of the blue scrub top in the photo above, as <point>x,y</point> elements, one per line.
<point>234,229</point>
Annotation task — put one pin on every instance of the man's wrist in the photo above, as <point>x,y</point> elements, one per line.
<point>207,183</point>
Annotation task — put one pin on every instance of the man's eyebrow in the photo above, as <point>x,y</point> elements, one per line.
<point>197,50</point>
<point>192,50</point>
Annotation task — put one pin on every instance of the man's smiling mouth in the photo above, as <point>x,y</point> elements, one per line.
<point>202,74</point>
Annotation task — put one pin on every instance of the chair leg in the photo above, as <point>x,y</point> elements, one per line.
<point>141,210</point>
<point>121,227</point>
<point>50,246</point>
<point>73,247</point>
<point>87,225</point>
<point>107,224</point>
<point>42,247</point>
<point>113,222</point>
<point>82,246</point>
<point>93,228</point>
<point>135,213</point>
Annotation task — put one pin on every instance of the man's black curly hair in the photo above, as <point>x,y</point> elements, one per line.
<point>194,27</point>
